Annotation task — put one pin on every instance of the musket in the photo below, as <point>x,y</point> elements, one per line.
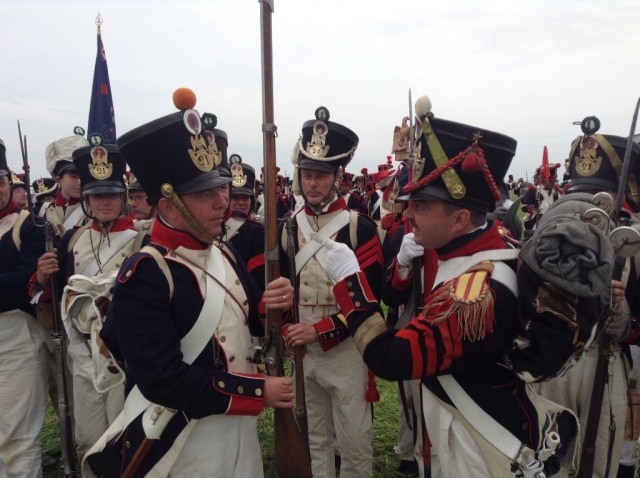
<point>300,407</point>
<point>417,261</point>
<point>291,447</point>
<point>57,337</point>
<point>600,379</point>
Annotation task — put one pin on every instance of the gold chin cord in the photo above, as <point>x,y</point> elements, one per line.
<point>169,193</point>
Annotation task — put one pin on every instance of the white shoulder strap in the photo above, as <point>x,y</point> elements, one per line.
<point>73,219</point>
<point>459,265</point>
<point>312,246</point>
<point>15,232</point>
<point>377,205</point>
<point>162,264</point>
<point>108,250</point>
<point>492,430</point>
<point>7,223</point>
<point>192,344</point>
<point>233,224</point>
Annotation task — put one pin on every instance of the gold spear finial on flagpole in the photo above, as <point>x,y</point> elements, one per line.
<point>99,22</point>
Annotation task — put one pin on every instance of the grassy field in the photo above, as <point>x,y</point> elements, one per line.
<point>384,436</point>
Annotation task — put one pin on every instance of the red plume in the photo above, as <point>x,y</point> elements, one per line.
<point>364,171</point>
<point>545,171</point>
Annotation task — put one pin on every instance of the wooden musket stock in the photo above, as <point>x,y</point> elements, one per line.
<point>291,446</point>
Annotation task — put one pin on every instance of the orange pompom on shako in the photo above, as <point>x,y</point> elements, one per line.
<point>184,99</point>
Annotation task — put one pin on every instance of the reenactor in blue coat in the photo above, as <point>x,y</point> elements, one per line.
<point>24,357</point>
<point>241,229</point>
<point>45,191</point>
<point>182,316</point>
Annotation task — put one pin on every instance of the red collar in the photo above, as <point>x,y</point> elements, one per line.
<point>120,224</point>
<point>10,209</point>
<point>483,241</point>
<point>337,205</point>
<point>172,238</point>
<point>60,201</point>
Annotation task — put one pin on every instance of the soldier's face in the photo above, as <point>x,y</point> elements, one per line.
<point>106,207</point>
<point>5,192</point>
<point>240,203</point>
<point>433,225</point>
<point>139,206</point>
<point>207,208</point>
<point>20,197</point>
<point>315,185</point>
<point>69,184</point>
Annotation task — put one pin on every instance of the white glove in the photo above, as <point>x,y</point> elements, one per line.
<point>339,260</point>
<point>409,250</point>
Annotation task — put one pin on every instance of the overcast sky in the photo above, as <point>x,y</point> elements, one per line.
<point>524,68</point>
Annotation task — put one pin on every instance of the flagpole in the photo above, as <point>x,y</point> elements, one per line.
<point>101,113</point>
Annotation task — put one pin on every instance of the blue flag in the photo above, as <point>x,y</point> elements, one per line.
<point>101,115</point>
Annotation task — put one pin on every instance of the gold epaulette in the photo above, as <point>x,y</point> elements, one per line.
<point>468,297</point>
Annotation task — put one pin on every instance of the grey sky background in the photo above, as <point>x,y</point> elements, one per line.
<point>524,68</point>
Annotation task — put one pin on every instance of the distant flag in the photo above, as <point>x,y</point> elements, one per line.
<point>545,171</point>
<point>101,115</point>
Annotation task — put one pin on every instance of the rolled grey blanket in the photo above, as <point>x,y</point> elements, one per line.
<point>569,253</point>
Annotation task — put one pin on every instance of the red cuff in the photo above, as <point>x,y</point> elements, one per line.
<point>354,293</point>
<point>34,287</point>
<point>396,281</point>
<point>328,334</point>
<point>246,392</point>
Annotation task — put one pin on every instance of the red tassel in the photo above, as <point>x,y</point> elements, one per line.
<point>372,395</point>
<point>472,163</point>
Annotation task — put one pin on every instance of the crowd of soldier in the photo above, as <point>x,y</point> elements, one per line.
<point>151,232</point>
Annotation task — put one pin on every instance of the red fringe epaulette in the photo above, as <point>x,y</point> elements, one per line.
<point>470,299</point>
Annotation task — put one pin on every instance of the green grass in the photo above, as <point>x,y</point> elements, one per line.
<point>385,433</point>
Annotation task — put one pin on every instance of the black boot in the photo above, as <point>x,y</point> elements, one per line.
<point>408,468</point>
<point>626,471</point>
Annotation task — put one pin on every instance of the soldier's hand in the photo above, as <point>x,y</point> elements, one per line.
<point>409,250</point>
<point>300,334</point>
<point>47,265</point>
<point>339,260</point>
<point>278,392</point>
<point>278,294</point>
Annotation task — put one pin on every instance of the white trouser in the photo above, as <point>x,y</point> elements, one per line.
<point>407,448</point>
<point>335,389</point>
<point>221,445</point>
<point>573,390</point>
<point>93,411</point>
<point>23,394</point>
<point>457,453</point>
<point>406,429</point>
<point>629,454</point>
